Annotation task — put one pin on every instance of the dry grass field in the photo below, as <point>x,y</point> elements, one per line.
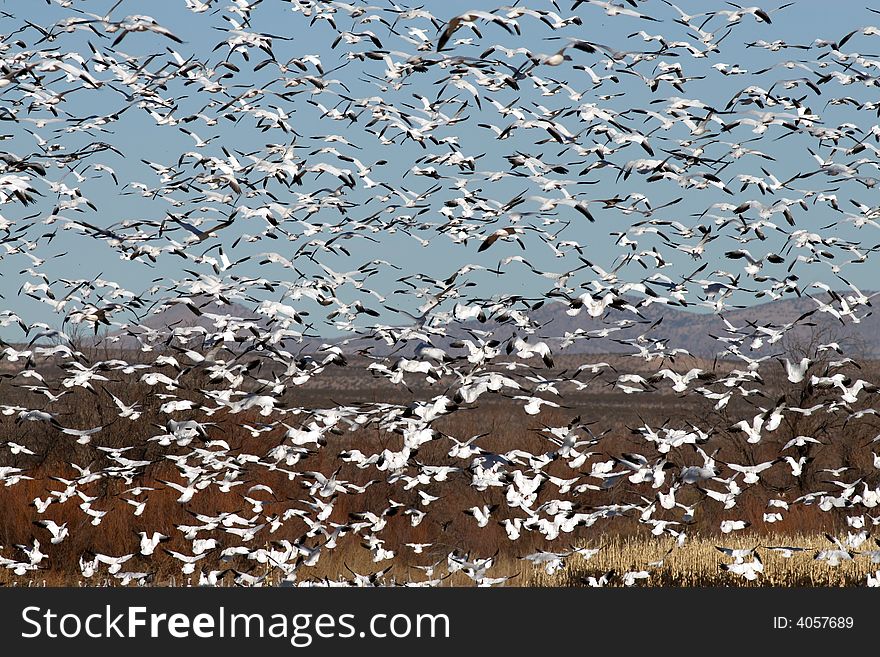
<point>625,544</point>
<point>699,563</point>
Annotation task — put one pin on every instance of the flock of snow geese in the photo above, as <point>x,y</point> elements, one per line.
<point>314,184</point>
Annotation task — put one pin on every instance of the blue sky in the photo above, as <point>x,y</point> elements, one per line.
<point>138,136</point>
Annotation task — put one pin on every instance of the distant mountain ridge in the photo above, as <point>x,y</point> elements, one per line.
<point>676,326</point>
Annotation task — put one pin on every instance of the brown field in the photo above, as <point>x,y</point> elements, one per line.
<point>625,543</point>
